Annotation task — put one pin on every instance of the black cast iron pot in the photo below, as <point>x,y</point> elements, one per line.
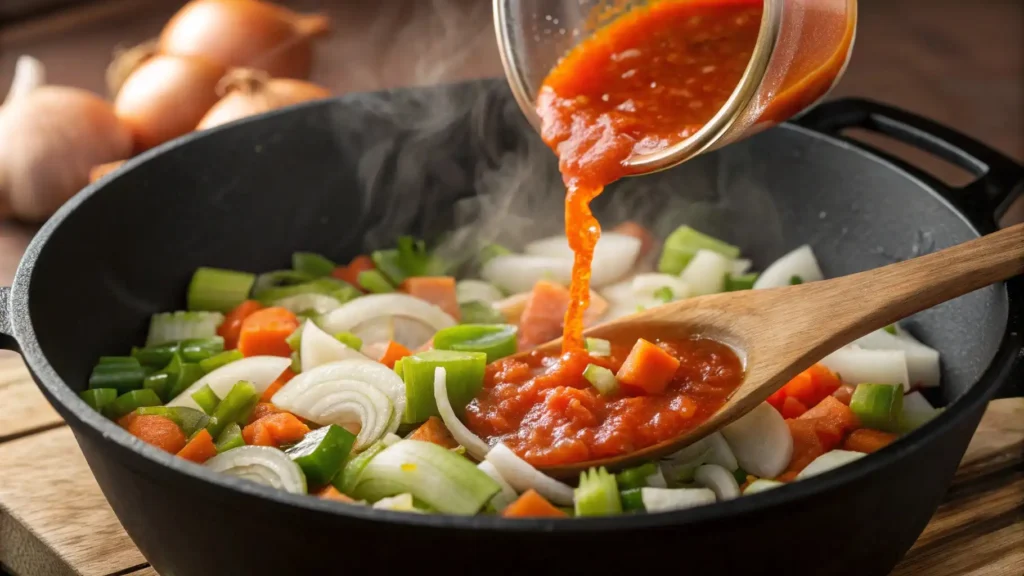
<point>344,176</point>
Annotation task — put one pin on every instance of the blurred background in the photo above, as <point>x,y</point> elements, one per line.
<point>958,62</point>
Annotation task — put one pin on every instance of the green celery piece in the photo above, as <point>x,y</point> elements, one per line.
<point>158,355</point>
<point>185,376</point>
<point>597,494</point>
<point>235,407</point>
<point>891,329</point>
<point>636,477</point>
<point>741,282</point>
<point>294,340</point>
<point>910,422</point>
<point>682,244</point>
<point>490,251</point>
<point>206,398</point>
<point>169,327</point>
<point>220,360</point>
<point>198,349</point>
<point>230,437</point>
<point>322,452</point>
<point>218,290</point>
<point>465,373</point>
<point>349,339</point>
<point>122,376</point>
<point>312,264</point>
<point>277,279</point>
<point>346,480</point>
<point>98,398</point>
<point>495,340</point>
<point>632,500</point>
<point>878,406</point>
<point>129,402</point>
<point>603,379</point>
<point>374,282</point>
<point>598,347</point>
<point>387,261</point>
<point>117,360</point>
<point>480,313</point>
<point>794,280</point>
<point>189,420</point>
<point>741,475</point>
<point>327,286</point>
<point>296,363</point>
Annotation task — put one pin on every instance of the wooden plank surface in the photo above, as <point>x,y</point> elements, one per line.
<point>19,396</point>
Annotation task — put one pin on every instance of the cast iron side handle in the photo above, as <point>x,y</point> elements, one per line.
<point>7,341</point>
<point>998,182</point>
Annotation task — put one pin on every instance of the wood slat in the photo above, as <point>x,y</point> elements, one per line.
<point>25,409</point>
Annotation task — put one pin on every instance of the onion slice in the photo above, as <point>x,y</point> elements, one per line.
<point>476,447</point>
<point>318,348</point>
<point>261,464</point>
<point>718,480</point>
<point>351,404</point>
<point>645,285</point>
<point>614,255</point>
<point>320,303</point>
<point>477,291</point>
<point>359,315</point>
<point>855,365</point>
<point>522,476</point>
<point>761,441</point>
<point>508,495</point>
<point>519,272</point>
<point>705,274</point>
<point>760,485</point>
<point>922,361</point>
<point>800,262</point>
<point>829,461</point>
<point>668,499</point>
<point>261,371</point>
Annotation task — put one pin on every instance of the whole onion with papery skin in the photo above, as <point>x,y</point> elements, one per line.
<point>247,92</point>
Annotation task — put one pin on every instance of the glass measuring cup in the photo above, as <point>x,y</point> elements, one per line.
<point>802,50</point>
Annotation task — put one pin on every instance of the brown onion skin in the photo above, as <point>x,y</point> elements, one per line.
<point>260,96</point>
<point>166,96</point>
<point>245,33</point>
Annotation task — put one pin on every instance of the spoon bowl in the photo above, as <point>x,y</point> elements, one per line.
<point>781,332</point>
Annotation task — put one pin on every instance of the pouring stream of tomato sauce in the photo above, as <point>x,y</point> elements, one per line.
<point>648,80</point>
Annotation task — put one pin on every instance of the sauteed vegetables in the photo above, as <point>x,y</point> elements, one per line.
<point>385,382</point>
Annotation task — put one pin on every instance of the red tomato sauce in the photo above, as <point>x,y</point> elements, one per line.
<point>546,412</point>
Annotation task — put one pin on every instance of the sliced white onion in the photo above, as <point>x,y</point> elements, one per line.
<point>351,404</point>
<point>740,266</point>
<point>718,480</point>
<point>856,365</point>
<point>522,476</point>
<point>399,503</point>
<point>915,402</point>
<point>476,291</point>
<point>614,255</point>
<point>261,371</point>
<point>645,285</point>
<point>657,480</point>
<point>409,332</point>
<point>318,348</point>
<point>922,361</point>
<point>261,464</point>
<point>761,441</point>
<point>321,303</point>
<point>800,262</point>
<point>519,272</point>
<point>390,438</point>
<point>680,466</point>
<point>705,274</point>
<point>760,485</point>
<point>829,461</point>
<point>406,311</point>
<point>508,493</point>
<point>721,453</point>
<point>476,447</point>
<point>619,292</point>
<point>667,499</point>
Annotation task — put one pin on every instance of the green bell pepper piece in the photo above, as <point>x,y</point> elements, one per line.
<point>124,375</point>
<point>322,452</point>
<point>201,348</point>
<point>98,398</point>
<point>480,313</point>
<point>312,264</point>
<point>345,481</point>
<point>130,401</point>
<point>235,407</point>
<point>184,377</point>
<point>206,398</point>
<point>465,377</point>
<point>189,420</point>
<point>220,360</point>
<point>495,340</point>
<point>632,500</point>
<point>230,438</point>
<point>636,477</point>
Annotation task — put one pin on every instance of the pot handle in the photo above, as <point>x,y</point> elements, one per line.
<point>998,179</point>
<point>7,341</point>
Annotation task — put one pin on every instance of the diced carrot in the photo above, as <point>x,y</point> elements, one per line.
<point>648,367</point>
<point>833,421</point>
<point>200,448</point>
<point>434,430</point>
<point>532,505</point>
<point>232,325</point>
<point>809,387</point>
<point>393,353</point>
<point>438,290</point>
<point>265,332</point>
<point>844,394</point>
<point>159,431</point>
<point>806,444</point>
<point>277,385</point>
<point>332,493</point>
<point>543,313</point>
<point>787,476</point>
<point>263,409</point>
<point>126,420</point>
<point>647,240</point>
<point>792,408</point>
<point>867,440</point>
<point>274,430</point>
<point>351,272</point>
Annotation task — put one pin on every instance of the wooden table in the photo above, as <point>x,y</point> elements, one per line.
<point>961,63</point>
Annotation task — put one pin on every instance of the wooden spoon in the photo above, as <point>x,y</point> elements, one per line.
<point>781,332</point>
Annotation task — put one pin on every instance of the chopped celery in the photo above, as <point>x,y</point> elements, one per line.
<point>387,262</point>
<point>632,500</point>
<point>597,494</point>
<point>158,356</point>
<point>741,282</point>
<point>312,264</point>
<point>230,437</point>
<point>636,477</point>
<point>375,282</point>
<point>220,360</point>
<point>278,278</point>
<point>411,258</point>
<point>891,329</point>
<point>664,295</point>
<point>118,360</point>
<point>322,452</point>
<point>465,373</point>
<point>346,480</point>
<point>98,398</point>
<point>206,398</point>
<point>910,421</point>
<point>683,244</point>
<point>878,406</point>
<point>177,326</point>
<point>218,290</point>
<point>602,379</point>
<point>234,407</point>
<point>189,420</point>
<point>129,401</point>
<point>794,280</point>
<point>337,289</point>
<point>495,340</point>
<point>476,312</point>
<point>492,250</point>
<point>349,339</point>
<point>294,340</point>
<point>196,350</point>
<point>599,347</point>
<point>122,376</point>
<point>296,363</point>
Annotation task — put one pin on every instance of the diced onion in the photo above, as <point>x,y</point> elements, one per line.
<point>321,303</point>
<point>680,466</point>
<point>614,255</point>
<point>261,464</point>
<point>645,285</point>
<point>519,272</point>
<point>740,266</point>
<point>800,262</point>
<point>476,447</point>
<point>507,495</point>
<point>477,291</point>
<point>856,365</point>
<point>721,453</point>
<point>657,480</point>
<point>399,503</point>
<point>916,402</point>
<point>364,315</point>
<point>760,485</point>
<point>922,361</point>
<point>318,348</point>
<point>667,499</point>
<point>829,461</point>
<point>522,476</point>
<point>705,274</point>
<point>761,441</point>
<point>718,480</point>
<point>261,371</point>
